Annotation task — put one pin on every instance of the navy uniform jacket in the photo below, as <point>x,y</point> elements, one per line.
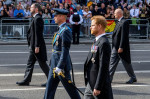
<point>60,57</point>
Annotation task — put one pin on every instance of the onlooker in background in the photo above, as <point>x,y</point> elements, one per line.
<point>33,1</point>
<point>78,1</point>
<point>28,2</point>
<point>4,13</point>
<point>5,7</point>
<point>6,10</point>
<point>68,1</point>
<point>129,7</point>
<point>116,3</point>
<point>46,15</point>
<point>102,9</point>
<point>23,4</point>
<point>43,9</point>
<point>11,11</point>
<point>18,12</point>
<point>126,13</point>
<point>91,8</point>
<point>46,1</point>
<point>76,21</point>
<point>134,12</point>
<point>86,15</point>
<point>53,28</point>
<point>27,12</point>
<point>48,6</point>
<point>125,5</point>
<point>95,11</point>
<point>112,9</point>
<point>143,16</point>
<point>109,14</point>
<point>61,1</point>
<point>1,7</point>
<point>109,2</point>
<point>7,2</point>
<point>143,13</point>
<point>79,10</point>
<point>148,10</point>
<point>40,2</point>
<point>140,4</point>
<point>52,2</point>
<point>66,7</point>
<point>61,6</point>
<point>99,2</point>
<point>70,12</point>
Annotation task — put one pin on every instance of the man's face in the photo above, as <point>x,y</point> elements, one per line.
<point>116,14</point>
<point>78,7</point>
<point>18,7</point>
<point>61,6</point>
<point>32,9</point>
<point>134,7</point>
<point>57,18</point>
<point>94,27</point>
<point>96,7</point>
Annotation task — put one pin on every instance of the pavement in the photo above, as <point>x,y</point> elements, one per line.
<point>83,40</point>
<point>13,59</point>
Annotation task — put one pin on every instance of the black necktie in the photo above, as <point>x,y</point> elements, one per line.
<point>134,12</point>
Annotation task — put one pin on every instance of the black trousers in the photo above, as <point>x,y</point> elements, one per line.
<point>76,33</point>
<point>114,60</point>
<point>30,66</point>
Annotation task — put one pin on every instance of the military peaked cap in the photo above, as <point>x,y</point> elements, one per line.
<point>60,11</point>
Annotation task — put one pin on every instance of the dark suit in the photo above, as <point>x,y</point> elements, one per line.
<point>96,73</point>
<point>120,39</point>
<point>60,58</point>
<point>35,39</point>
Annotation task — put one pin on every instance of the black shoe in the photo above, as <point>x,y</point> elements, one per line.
<point>131,81</point>
<point>43,85</point>
<point>22,83</point>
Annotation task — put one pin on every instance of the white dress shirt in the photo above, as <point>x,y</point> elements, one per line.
<point>35,15</point>
<point>120,18</point>
<point>97,37</point>
<point>134,13</point>
<point>81,19</point>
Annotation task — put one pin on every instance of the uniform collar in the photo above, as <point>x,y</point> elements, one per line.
<point>62,24</point>
<point>99,36</point>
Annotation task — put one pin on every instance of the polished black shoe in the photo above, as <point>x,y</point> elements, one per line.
<point>43,85</point>
<point>22,83</point>
<point>131,81</point>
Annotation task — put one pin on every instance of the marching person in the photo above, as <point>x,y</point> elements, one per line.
<point>96,67</point>
<point>76,21</point>
<point>36,45</point>
<point>121,48</point>
<point>60,59</point>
